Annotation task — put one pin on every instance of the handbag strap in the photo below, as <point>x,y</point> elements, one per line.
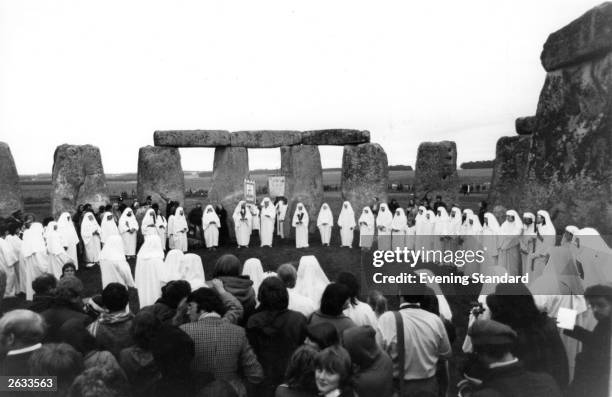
<point>401,350</point>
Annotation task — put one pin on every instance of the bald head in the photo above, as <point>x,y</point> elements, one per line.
<point>287,274</point>
<point>20,328</point>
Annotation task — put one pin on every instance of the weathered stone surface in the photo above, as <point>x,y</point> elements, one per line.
<point>587,37</point>
<point>365,175</point>
<point>301,166</point>
<point>10,189</point>
<point>78,178</point>
<point>160,175</point>
<point>230,169</point>
<point>265,138</point>
<point>509,171</point>
<point>525,125</point>
<point>335,137</point>
<point>436,171</point>
<point>192,138</point>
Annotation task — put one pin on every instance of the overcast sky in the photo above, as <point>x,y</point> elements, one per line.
<point>109,73</point>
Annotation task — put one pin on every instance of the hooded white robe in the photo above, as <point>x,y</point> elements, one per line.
<point>267,217</point>
<point>281,212</point>
<point>420,225</point>
<point>172,269</point>
<point>211,225</point>
<point>545,240</point>
<point>472,242</point>
<point>347,224</point>
<point>427,228</point>
<point>489,240</point>
<point>441,230</point>
<point>595,257</point>
<point>113,265</point>
<point>90,233</point>
<point>34,260</point>
<point>242,224</point>
<point>108,227</point>
<point>527,243</point>
<point>148,225</point>
<point>255,221</point>
<point>367,228</point>
<point>162,230</point>
<point>300,223</point>
<point>509,244</point>
<point>399,229</point>
<point>177,230</point>
<point>128,226</point>
<point>252,268</point>
<point>9,263</point>
<point>69,236</point>
<point>193,271</point>
<point>325,220</point>
<point>383,225</point>
<point>454,227</point>
<point>149,265</point>
<point>311,279</point>
<point>56,253</point>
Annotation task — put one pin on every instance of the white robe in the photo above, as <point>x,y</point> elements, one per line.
<point>149,264</point>
<point>383,225</point>
<point>211,225</point>
<point>489,239</point>
<point>108,227</point>
<point>268,214</point>
<point>311,279</point>
<point>56,253</point>
<point>242,225</point>
<point>128,226</point>
<point>69,236</point>
<point>255,223</point>
<point>281,211</point>
<point>113,265</point>
<point>34,260</point>
<point>173,269</point>
<point>162,230</point>
<point>301,226</point>
<point>177,230</point>
<point>509,256</point>
<point>325,220</point>
<point>367,228</point>
<point>399,229</point>
<point>193,271</point>
<point>253,269</point>
<point>90,233</point>
<point>9,262</point>
<point>148,224</point>
<point>347,224</point>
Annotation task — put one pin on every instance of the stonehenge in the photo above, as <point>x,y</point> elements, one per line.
<point>10,190</point>
<point>160,175</point>
<point>436,171</point>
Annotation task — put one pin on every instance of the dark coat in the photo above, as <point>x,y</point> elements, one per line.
<point>514,381</point>
<point>57,315</point>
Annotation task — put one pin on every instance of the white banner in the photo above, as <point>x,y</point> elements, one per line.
<point>249,191</point>
<point>276,186</point>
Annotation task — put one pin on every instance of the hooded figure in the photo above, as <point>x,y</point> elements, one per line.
<point>254,271</point>
<point>9,263</point>
<point>90,233</point>
<point>325,220</point>
<point>545,240</point>
<point>489,240</point>
<point>464,221</point>
<point>128,226</point>
<point>113,266</point>
<point>428,230</point>
<point>420,227</point>
<point>211,225</point>
<point>509,241</point>
<point>374,376</point>
<point>267,217</point>
<point>347,224</point>
<point>593,256</point>
<point>527,242</point>
<point>149,223</point>
<point>242,224</point>
<point>193,271</point>
<point>383,225</point>
<point>162,228</point>
<point>454,227</point>
<point>441,229</point>
<point>149,266</point>
<point>472,242</point>
<point>69,236</point>
<point>255,222</point>
<point>172,266</point>
<point>311,279</point>
<point>34,260</point>
<point>399,229</point>
<point>300,223</point>
<point>367,228</point>
<point>56,253</point>
<point>177,230</point>
<point>108,227</point>
<point>281,211</point>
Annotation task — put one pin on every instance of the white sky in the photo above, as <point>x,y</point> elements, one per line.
<point>109,73</point>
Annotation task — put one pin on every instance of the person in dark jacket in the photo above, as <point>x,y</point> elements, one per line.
<point>174,351</point>
<point>43,286</point>
<point>373,375</point>
<point>274,333</point>
<point>539,345</point>
<point>21,334</point>
<point>165,308</point>
<point>593,362</point>
<point>67,304</point>
<point>333,302</point>
<point>228,269</point>
<point>504,374</point>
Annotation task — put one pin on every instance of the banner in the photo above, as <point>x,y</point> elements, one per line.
<point>249,191</point>
<point>276,186</point>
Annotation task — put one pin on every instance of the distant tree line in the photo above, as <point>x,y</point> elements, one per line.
<point>471,165</point>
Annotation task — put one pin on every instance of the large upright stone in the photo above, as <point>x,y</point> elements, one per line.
<point>509,171</point>
<point>436,171</point>
<point>10,189</point>
<point>230,169</point>
<point>586,38</point>
<point>78,178</point>
<point>192,138</point>
<point>301,166</point>
<point>160,175</point>
<point>337,137</point>
<point>365,175</point>
<point>265,138</point>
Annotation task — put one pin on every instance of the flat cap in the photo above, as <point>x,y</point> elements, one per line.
<point>490,332</point>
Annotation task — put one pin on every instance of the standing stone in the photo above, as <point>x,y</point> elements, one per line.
<point>436,171</point>
<point>230,169</point>
<point>509,171</point>
<point>365,175</point>
<point>301,166</point>
<point>160,175</point>
<point>78,178</point>
<point>10,189</point>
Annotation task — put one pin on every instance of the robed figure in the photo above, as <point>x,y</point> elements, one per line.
<point>267,216</point>
<point>300,223</point>
<point>242,224</point>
